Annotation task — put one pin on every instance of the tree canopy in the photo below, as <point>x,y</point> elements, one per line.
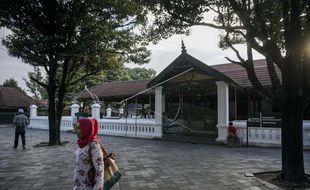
<point>279,30</point>
<point>11,82</point>
<point>34,88</point>
<point>72,40</point>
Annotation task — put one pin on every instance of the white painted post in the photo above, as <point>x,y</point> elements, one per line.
<point>33,111</point>
<point>74,109</point>
<point>222,110</point>
<point>33,114</point>
<point>158,107</point>
<point>121,112</point>
<point>109,112</point>
<point>95,110</point>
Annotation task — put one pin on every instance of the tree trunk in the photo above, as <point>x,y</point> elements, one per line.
<point>60,108</point>
<point>54,137</point>
<point>54,127</point>
<point>292,142</point>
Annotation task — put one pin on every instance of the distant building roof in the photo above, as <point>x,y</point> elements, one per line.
<point>232,71</point>
<point>43,102</point>
<point>123,88</point>
<point>239,74</point>
<point>13,98</point>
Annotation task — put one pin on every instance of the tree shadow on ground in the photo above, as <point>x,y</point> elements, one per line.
<point>45,144</point>
<point>274,178</point>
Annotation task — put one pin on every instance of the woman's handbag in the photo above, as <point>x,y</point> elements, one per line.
<point>111,171</point>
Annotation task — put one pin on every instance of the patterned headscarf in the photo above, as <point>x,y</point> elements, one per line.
<point>89,130</point>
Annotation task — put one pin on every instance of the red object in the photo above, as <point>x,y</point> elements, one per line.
<point>89,131</point>
<point>232,130</point>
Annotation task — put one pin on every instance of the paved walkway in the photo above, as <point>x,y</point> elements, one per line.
<point>145,164</point>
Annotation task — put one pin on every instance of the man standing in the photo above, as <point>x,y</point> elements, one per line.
<point>20,121</point>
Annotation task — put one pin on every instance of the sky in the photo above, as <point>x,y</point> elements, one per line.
<point>201,44</point>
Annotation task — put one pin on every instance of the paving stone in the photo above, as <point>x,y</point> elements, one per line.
<point>144,164</point>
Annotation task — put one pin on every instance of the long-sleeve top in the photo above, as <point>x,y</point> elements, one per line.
<point>83,166</point>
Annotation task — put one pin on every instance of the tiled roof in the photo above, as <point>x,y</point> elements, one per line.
<point>233,71</point>
<point>123,88</point>
<point>185,62</point>
<point>239,74</point>
<point>11,97</point>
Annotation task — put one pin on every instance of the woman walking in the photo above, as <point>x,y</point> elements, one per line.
<point>89,165</point>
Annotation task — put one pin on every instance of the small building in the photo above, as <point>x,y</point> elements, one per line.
<point>190,98</point>
<point>114,94</point>
<point>11,99</point>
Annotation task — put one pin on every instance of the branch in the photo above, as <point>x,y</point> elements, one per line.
<point>246,20</point>
<point>226,28</point>
<point>64,73</point>
<point>249,66</point>
<point>234,49</point>
<point>285,8</point>
<point>192,23</point>
<point>252,33</point>
<point>276,83</point>
<point>74,68</point>
<point>46,68</point>
<point>124,25</point>
<point>259,17</point>
<point>234,62</point>
<point>39,83</point>
<point>83,77</point>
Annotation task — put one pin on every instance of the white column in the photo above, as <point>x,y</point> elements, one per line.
<point>158,105</point>
<point>121,112</point>
<point>109,112</point>
<point>222,110</point>
<point>33,114</point>
<point>74,109</point>
<point>33,111</point>
<point>95,110</point>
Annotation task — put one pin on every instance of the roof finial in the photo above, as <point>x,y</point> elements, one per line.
<point>183,46</point>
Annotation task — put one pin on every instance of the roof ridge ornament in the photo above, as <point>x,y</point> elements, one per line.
<point>183,46</point>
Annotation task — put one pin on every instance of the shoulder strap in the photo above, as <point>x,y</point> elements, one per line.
<point>91,172</point>
<point>105,153</point>
<point>102,148</point>
<point>89,153</point>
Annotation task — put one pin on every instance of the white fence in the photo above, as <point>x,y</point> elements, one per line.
<point>148,128</point>
<point>259,136</point>
<point>41,122</point>
<point>139,128</point>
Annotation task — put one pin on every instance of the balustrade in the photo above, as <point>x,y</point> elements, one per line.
<point>149,128</point>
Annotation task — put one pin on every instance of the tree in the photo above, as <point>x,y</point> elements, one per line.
<point>11,82</point>
<point>38,91</point>
<point>125,73</point>
<point>67,38</point>
<point>141,73</point>
<point>280,31</point>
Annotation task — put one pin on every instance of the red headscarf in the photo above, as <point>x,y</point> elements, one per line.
<point>89,131</point>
